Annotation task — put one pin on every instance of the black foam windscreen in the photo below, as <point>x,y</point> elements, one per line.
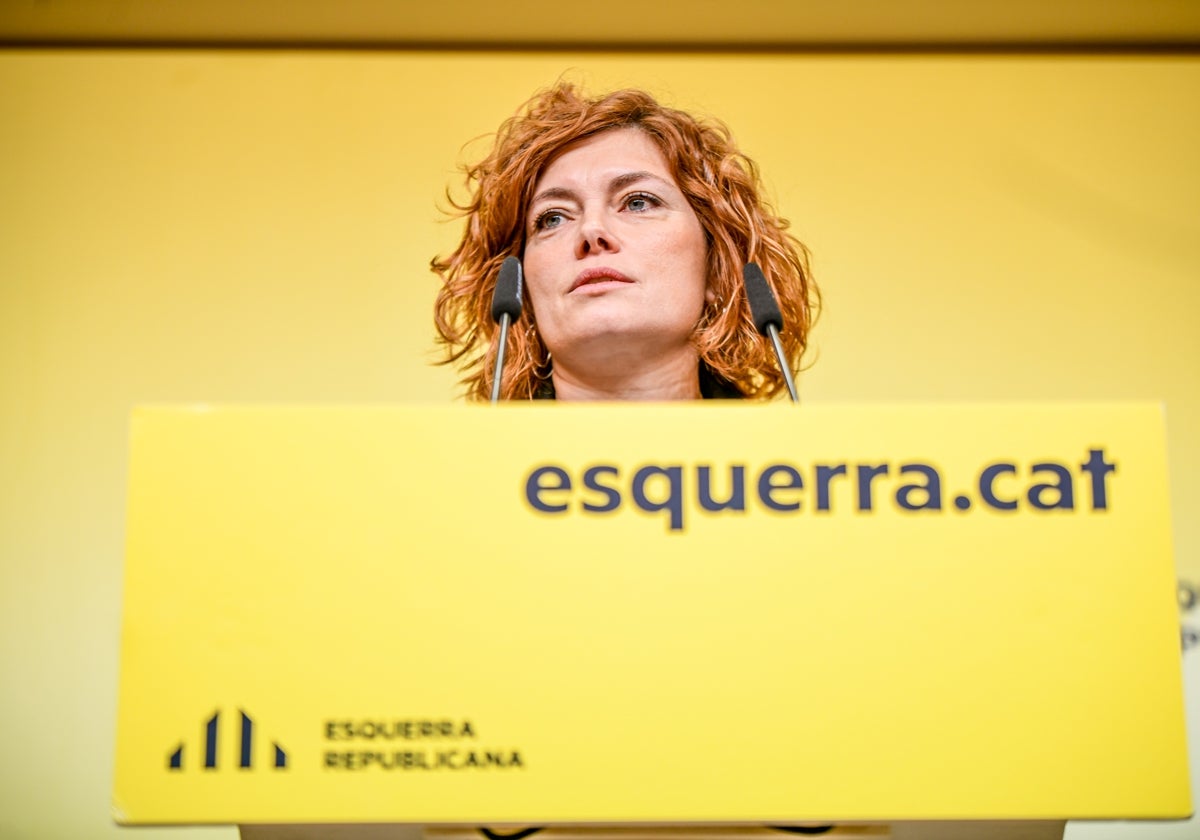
<point>764,309</point>
<point>507,297</point>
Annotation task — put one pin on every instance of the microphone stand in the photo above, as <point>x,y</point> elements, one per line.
<point>505,320</point>
<point>506,306</point>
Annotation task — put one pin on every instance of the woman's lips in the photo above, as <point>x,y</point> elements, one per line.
<point>597,277</point>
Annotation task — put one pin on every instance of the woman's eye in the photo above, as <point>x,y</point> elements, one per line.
<point>549,219</point>
<point>640,203</point>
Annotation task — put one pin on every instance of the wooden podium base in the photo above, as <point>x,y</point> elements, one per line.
<point>904,830</point>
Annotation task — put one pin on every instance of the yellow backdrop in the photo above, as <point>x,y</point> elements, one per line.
<point>256,227</point>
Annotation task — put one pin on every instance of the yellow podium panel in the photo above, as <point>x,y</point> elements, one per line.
<point>664,614</point>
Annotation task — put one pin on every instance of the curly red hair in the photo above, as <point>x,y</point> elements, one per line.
<point>724,190</point>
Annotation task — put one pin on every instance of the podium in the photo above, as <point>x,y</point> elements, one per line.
<point>624,621</point>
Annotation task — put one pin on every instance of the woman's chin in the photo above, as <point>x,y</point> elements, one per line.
<point>625,344</point>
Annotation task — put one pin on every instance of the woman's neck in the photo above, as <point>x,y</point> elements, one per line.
<point>664,379</point>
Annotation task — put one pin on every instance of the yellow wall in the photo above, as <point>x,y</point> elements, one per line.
<point>256,227</point>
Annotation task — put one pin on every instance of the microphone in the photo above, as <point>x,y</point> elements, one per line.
<point>768,320</point>
<point>506,308</point>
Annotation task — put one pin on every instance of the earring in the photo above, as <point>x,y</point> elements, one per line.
<point>713,311</point>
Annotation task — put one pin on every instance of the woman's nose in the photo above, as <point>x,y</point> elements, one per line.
<point>595,236</point>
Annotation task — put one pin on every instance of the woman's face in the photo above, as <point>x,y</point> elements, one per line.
<point>615,258</point>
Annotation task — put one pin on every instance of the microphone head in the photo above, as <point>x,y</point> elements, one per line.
<point>509,285</point>
<point>764,309</point>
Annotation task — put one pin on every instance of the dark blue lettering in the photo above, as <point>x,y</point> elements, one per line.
<point>674,500</point>
<point>824,476</point>
<point>1098,469</point>
<point>867,474</point>
<point>768,487</point>
<point>1064,488</point>
<point>611,494</point>
<point>932,488</point>
<point>737,489</point>
<point>534,487</point>
<point>987,481</point>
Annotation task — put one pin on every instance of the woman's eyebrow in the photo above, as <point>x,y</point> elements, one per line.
<point>617,184</point>
<point>554,193</point>
<point>622,181</point>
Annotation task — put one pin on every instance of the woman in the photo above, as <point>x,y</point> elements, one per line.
<point>634,222</point>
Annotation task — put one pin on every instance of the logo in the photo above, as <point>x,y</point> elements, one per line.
<point>245,759</point>
<point>912,487</point>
